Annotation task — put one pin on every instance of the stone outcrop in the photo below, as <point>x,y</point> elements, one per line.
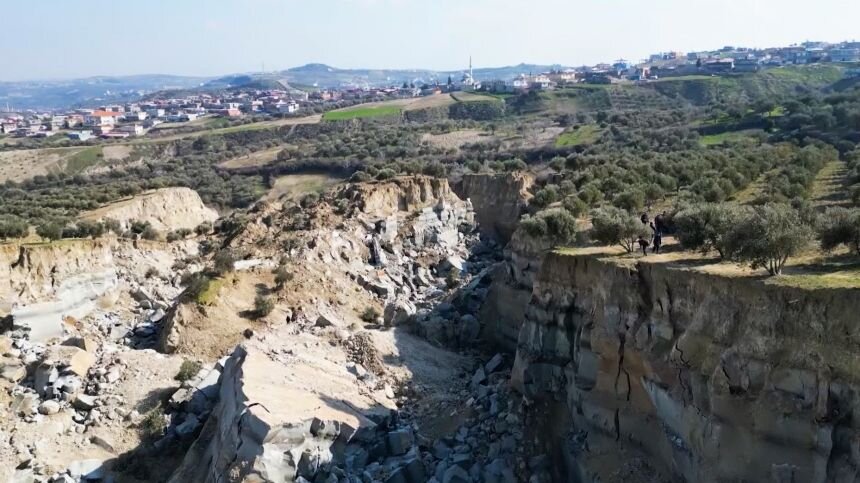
<point>499,201</point>
<point>711,378</point>
<point>263,429</point>
<point>503,311</point>
<point>165,209</point>
<point>45,284</point>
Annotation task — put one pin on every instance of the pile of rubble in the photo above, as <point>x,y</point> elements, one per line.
<point>488,447</point>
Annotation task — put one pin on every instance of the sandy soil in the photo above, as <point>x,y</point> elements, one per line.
<point>294,186</point>
<point>456,139</point>
<point>26,163</point>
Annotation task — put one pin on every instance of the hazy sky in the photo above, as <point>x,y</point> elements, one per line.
<point>74,38</point>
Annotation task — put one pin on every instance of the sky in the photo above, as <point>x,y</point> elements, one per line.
<point>60,39</point>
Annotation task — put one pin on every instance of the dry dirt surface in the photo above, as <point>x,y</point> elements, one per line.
<point>25,163</point>
<point>257,158</point>
<point>294,186</point>
<point>165,209</point>
<point>457,139</point>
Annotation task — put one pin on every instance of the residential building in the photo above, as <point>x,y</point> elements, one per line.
<point>132,129</point>
<point>81,135</point>
<point>102,118</point>
<point>847,54</point>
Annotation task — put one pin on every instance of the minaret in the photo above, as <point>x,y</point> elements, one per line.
<point>471,76</point>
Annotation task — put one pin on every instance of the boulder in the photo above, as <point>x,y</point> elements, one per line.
<point>456,474</point>
<point>398,312</point>
<point>69,359</point>
<point>84,402</point>
<point>49,407</point>
<point>12,370</point>
<point>400,441</point>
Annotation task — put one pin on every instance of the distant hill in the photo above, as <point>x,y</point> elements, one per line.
<point>104,89</point>
<point>54,94</point>
<point>322,75</point>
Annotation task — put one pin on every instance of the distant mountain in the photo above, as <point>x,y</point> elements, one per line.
<point>56,94</point>
<point>91,91</point>
<point>322,75</point>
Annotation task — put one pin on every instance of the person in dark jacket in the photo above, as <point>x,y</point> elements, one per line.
<point>657,237</point>
<point>643,244</point>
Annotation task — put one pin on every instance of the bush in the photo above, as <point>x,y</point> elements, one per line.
<point>223,262</point>
<point>203,229</point>
<point>514,165</point>
<point>839,226</point>
<point>188,370</point>
<point>768,236</point>
<point>385,174</point>
<point>546,196</point>
<point>51,231</point>
<point>282,276</point>
<point>614,226</point>
<point>575,206</point>
<point>705,227</point>
<point>196,285</point>
<point>149,233</point>
<point>452,279</point>
<point>309,200</point>
<point>371,314</point>
<point>263,306</point>
<point>12,227</point>
<point>359,177</point>
<point>152,424</point>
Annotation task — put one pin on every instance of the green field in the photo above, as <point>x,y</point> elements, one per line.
<point>84,159</point>
<point>584,135</point>
<point>362,112</point>
<point>729,137</point>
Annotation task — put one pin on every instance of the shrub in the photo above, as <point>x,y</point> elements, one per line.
<point>152,424</point>
<point>370,314</point>
<point>839,226</point>
<point>149,233</point>
<point>452,279</point>
<point>188,370</point>
<point>705,227</point>
<point>768,236</point>
<point>263,306</point>
<point>309,200</point>
<point>50,231</point>
<point>282,276</point>
<point>474,166</point>
<point>223,262</point>
<point>203,229</point>
<point>151,272</point>
<point>196,284</point>
<point>436,169</point>
<point>385,173</point>
<point>12,227</point>
<point>515,164</point>
<point>359,177</point>
<point>546,196</point>
<point>614,226</point>
<point>575,206</point>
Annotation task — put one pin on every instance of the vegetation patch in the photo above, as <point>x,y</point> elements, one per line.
<point>363,112</point>
<point>582,135</point>
<point>82,160</point>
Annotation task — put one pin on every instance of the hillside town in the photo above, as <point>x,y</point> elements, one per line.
<point>117,121</point>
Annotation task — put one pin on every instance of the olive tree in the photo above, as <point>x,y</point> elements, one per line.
<point>839,226</point>
<point>767,236</point>
<point>705,227</point>
<point>614,226</point>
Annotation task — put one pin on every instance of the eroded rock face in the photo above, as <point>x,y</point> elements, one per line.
<point>499,200</point>
<point>714,378</point>
<point>165,209</point>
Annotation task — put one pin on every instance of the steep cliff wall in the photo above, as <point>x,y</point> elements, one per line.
<point>712,378</point>
<point>499,201</point>
<point>503,311</point>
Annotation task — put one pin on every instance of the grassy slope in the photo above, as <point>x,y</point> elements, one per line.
<point>362,112</point>
<point>584,135</point>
